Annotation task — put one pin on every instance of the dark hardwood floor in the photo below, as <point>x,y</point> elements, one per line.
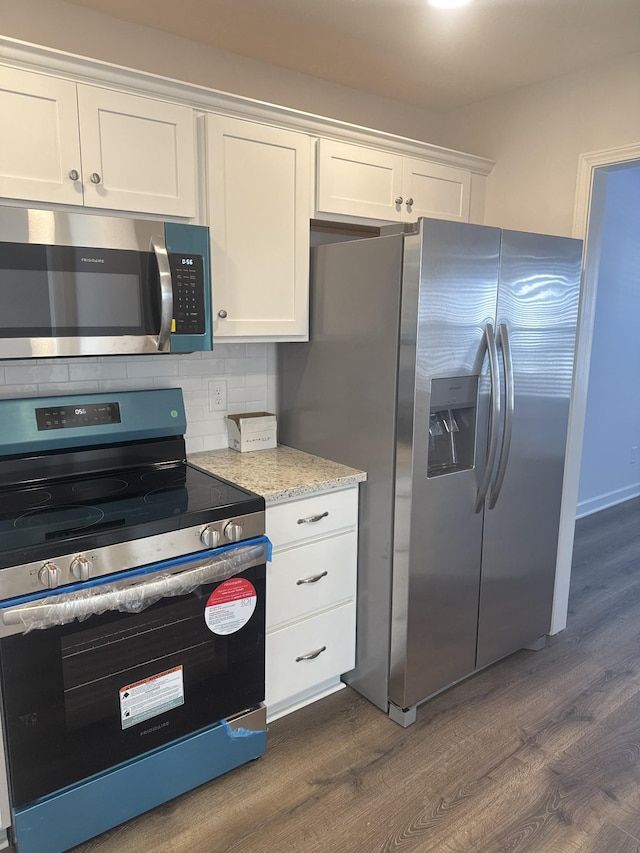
<point>540,752</point>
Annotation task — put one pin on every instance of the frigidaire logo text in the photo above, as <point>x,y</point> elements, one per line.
<point>154,728</point>
<point>93,260</point>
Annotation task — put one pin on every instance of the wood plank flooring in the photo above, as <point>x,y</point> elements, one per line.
<point>540,753</point>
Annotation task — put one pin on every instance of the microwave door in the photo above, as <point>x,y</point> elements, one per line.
<point>74,301</point>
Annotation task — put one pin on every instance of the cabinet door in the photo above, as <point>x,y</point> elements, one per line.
<point>308,518</point>
<point>356,181</point>
<point>39,138</point>
<point>302,657</point>
<point>430,189</point>
<point>310,578</point>
<point>138,154</point>
<point>259,205</point>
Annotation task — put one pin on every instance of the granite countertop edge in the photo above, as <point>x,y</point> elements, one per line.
<point>279,474</point>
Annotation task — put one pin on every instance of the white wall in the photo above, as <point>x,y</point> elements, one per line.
<point>245,367</point>
<point>537,134</point>
<point>77,30</point>
<point>612,426</point>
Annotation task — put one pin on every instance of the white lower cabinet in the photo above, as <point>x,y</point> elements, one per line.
<point>311,598</point>
<point>306,659</point>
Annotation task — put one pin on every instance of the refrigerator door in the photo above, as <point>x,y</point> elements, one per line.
<point>337,399</point>
<point>448,301</point>
<point>537,313</point>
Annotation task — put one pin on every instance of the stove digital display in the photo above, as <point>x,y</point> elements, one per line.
<point>87,414</point>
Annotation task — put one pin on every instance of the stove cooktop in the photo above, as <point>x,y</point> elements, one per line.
<point>77,514</point>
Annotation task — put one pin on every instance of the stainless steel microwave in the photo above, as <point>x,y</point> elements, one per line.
<point>74,284</point>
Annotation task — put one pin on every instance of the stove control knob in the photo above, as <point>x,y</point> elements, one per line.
<point>49,575</point>
<point>81,568</point>
<point>233,531</point>
<point>210,536</point>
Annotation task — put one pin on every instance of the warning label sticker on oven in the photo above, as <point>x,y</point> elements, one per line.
<point>230,606</point>
<point>151,696</point>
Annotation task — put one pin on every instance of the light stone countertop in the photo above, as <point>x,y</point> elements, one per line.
<point>279,474</point>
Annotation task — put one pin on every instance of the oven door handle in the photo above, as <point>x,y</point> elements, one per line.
<point>133,598</point>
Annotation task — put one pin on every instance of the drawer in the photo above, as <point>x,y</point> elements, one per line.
<point>332,634</point>
<point>314,516</point>
<point>311,577</point>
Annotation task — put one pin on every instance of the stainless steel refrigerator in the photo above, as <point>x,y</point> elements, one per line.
<point>440,361</point>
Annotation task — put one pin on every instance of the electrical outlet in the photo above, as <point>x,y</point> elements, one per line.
<point>217,395</point>
<point>635,454</point>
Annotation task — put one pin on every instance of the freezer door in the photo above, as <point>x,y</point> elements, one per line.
<point>448,301</point>
<point>537,313</point>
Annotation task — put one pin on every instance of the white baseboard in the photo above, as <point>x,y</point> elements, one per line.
<point>600,502</point>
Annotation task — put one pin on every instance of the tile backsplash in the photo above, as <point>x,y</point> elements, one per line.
<point>247,370</point>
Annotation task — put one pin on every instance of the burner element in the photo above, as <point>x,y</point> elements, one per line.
<point>18,501</point>
<point>179,497</point>
<point>163,478</point>
<point>94,489</point>
<point>60,519</point>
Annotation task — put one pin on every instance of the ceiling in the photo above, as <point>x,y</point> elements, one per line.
<point>403,49</point>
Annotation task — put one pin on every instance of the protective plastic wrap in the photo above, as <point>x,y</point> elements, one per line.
<point>135,597</point>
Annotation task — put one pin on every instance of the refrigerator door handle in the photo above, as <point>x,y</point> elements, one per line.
<point>489,347</point>
<point>503,342</point>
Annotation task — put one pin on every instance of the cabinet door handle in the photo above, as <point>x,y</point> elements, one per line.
<point>409,202</point>
<point>312,579</point>
<point>311,655</point>
<point>311,519</point>
<point>74,175</point>
<point>399,200</point>
<point>95,178</point>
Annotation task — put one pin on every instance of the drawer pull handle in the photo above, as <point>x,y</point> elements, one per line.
<point>312,579</point>
<point>311,655</point>
<point>311,519</point>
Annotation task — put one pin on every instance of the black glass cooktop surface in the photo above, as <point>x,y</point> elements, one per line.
<point>59,517</point>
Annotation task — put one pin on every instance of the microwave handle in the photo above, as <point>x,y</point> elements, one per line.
<point>166,294</point>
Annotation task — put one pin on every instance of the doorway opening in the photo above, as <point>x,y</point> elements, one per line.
<point>589,220</point>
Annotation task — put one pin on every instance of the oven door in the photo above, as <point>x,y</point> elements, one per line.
<point>83,696</point>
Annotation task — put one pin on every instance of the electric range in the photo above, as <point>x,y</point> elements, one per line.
<point>132,589</point>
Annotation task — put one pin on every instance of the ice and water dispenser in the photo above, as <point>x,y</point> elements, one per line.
<point>452,425</point>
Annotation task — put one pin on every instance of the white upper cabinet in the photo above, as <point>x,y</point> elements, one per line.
<point>429,189</point>
<point>39,137</point>
<point>258,212</point>
<point>357,181</point>
<point>137,153</point>
<point>363,182</point>
<point>77,144</point>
